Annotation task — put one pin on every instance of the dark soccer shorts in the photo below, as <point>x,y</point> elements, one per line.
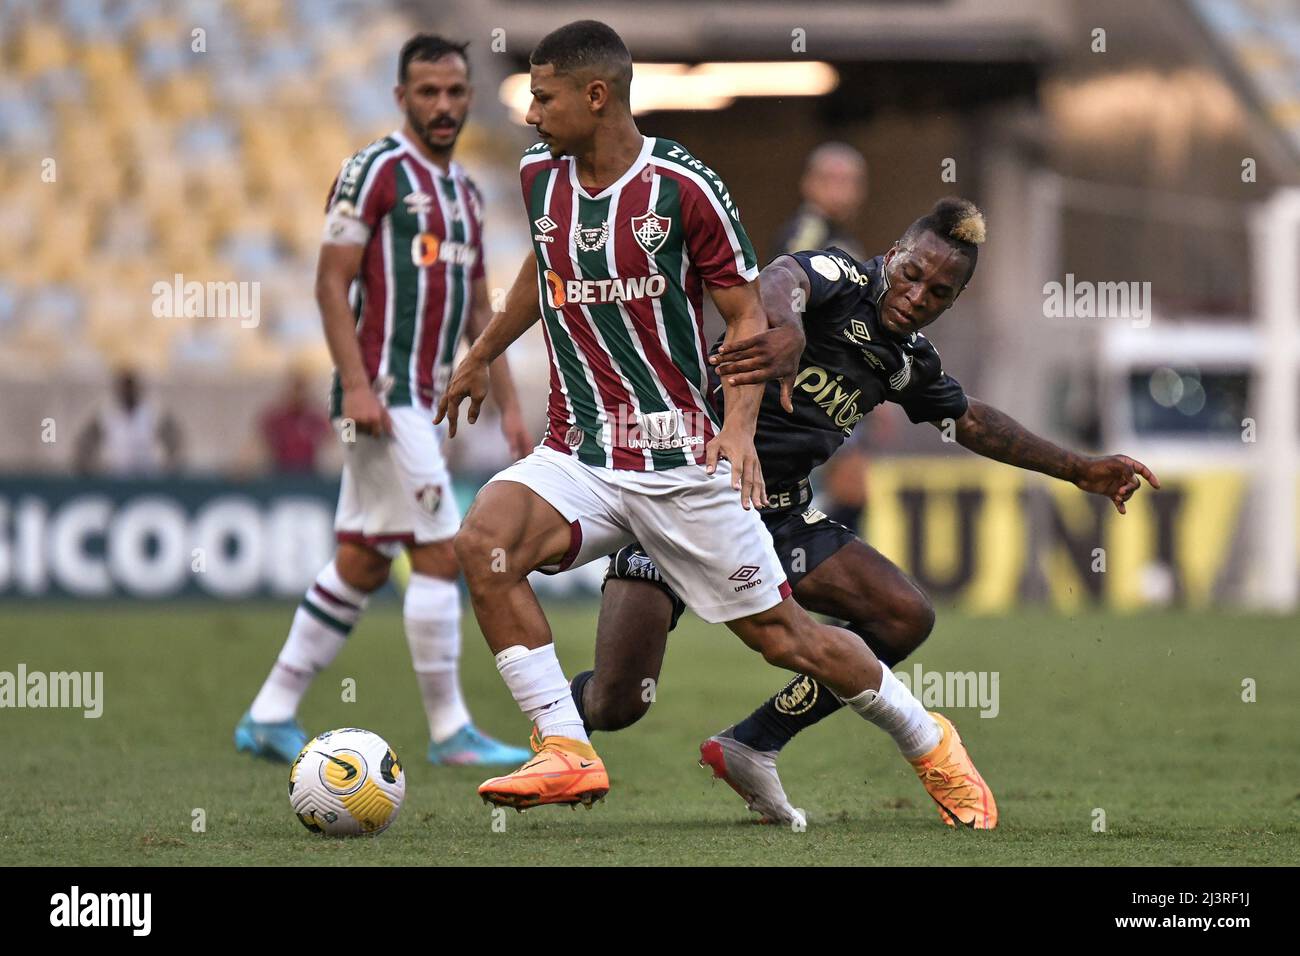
<point>803,540</point>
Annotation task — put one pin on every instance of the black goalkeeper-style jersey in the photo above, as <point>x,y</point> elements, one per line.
<point>850,364</point>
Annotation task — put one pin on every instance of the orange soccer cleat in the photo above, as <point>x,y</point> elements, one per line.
<point>950,776</point>
<point>562,771</point>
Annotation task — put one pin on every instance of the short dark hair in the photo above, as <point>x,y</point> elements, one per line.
<point>955,220</point>
<point>429,48</point>
<point>588,45</point>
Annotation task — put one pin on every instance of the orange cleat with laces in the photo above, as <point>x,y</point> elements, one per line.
<point>562,771</point>
<point>950,777</point>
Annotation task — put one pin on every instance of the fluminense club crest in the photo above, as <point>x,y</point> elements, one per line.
<point>651,231</point>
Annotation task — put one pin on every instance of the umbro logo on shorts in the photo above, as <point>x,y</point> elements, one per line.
<point>745,574</point>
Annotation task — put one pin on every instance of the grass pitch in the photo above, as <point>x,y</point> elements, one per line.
<point>1140,717</point>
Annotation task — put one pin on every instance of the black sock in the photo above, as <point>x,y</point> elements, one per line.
<point>802,703</point>
<point>575,688</point>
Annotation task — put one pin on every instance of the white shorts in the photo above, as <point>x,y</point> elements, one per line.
<point>717,556</point>
<point>396,491</point>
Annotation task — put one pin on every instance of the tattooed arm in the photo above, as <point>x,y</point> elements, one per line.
<point>991,433</point>
<point>773,354</point>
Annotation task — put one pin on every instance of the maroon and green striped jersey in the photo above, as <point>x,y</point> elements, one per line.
<point>621,277</point>
<point>423,236</point>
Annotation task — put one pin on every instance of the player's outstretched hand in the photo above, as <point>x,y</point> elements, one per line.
<point>773,354</point>
<point>746,472</point>
<point>1116,477</point>
<point>469,380</point>
<point>362,407</point>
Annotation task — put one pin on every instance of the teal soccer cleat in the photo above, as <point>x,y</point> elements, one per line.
<point>471,747</point>
<point>279,741</point>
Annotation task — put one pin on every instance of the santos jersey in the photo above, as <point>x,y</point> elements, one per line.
<point>620,278</point>
<point>423,235</point>
<point>849,365</point>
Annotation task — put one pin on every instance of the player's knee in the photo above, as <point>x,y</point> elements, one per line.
<point>914,621</point>
<point>362,568</point>
<point>479,555</point>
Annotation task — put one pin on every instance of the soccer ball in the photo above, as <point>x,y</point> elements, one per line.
<point>347,783</point>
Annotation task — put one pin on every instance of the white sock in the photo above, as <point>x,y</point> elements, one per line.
<point>431,611</point>
<point>895,711</point>
<point>320,628</point>
<point>539,688</point>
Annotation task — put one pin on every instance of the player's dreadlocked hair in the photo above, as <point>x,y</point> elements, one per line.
<point>428,48</point>
<point>588,45</point>
<point>957,221</point>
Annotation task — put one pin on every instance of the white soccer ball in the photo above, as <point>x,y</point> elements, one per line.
<point>347,783</point>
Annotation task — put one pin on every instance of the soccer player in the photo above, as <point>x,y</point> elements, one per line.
<point>862,322</point>
<point>404,222</point>
<point>628,231</point>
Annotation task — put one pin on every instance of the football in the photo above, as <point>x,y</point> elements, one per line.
<point>347,782</point>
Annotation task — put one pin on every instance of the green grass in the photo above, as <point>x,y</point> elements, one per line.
<point>1140,716</point>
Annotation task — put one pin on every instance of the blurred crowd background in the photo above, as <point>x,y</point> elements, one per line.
<point>145,142</point>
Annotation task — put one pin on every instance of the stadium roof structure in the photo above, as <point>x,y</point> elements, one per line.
<point>1008,30</point>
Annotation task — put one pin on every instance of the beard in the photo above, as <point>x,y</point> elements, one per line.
<point>427,133</point>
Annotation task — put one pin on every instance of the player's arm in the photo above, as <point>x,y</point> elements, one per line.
<point>991,433</point>
<point>470,378</point>
<point>500,380</point>
<point>742,310</point>
<point>337,266</point>
<point>774,353</point>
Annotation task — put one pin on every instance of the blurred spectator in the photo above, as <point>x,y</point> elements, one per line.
<point>128,436</point>
<point>291,431</point>
<point>833,188</point>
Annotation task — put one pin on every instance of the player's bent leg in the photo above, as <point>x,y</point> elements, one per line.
<point>321,625</point>
<point>510,531</point>
<point>789,638</point>
<point>928,741</point>
<point>636,615</point>
<point>431,615</point>
<point>877,601</point>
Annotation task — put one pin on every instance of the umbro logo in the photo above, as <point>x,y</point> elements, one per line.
<point>746,575</point>
<point>543,226</point>
<point>418,203</point>
<point>857,332</point>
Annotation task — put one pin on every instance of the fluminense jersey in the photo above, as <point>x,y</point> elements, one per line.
<point>423,233</point>
<point>621,277</point>
<point>850,364</point>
